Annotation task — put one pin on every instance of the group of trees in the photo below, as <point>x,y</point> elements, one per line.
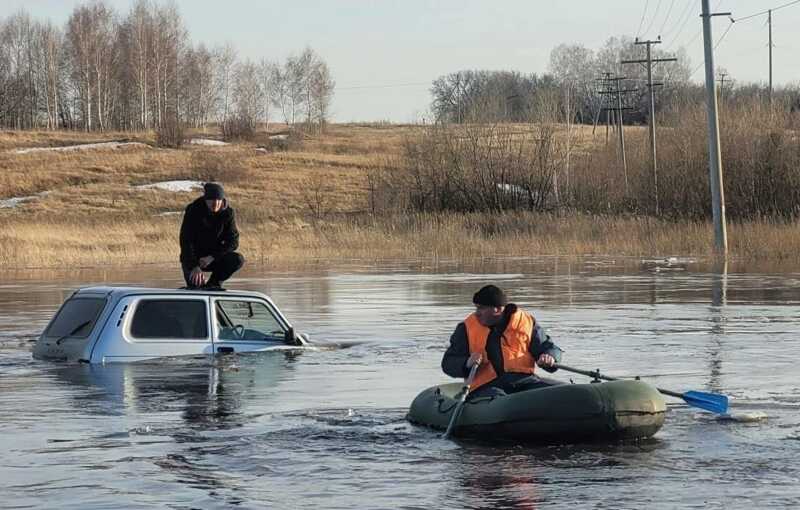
<point>573,82</point>
<point>136,71</point>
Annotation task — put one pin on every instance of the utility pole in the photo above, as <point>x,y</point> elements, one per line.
<point>649,61</point>
<point>722,76</point>
<point>606,81</point>
<point>617,93</point>
<point>622,134</point>
<point>714,162</point>
<point>769,21</point>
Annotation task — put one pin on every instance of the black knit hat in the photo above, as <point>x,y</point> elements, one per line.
<point>490,295</point>
<point>213,191</point>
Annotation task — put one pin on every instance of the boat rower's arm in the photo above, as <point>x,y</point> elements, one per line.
<point>542,344</point>
<point>454,361</point>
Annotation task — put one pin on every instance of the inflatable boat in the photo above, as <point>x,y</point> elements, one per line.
<point>558,413</point>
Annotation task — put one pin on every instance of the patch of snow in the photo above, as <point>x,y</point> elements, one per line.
<point>206,141</point>
<point>15,201</point>
<point>81,147</point>
<point>170,213</point>
<point>511,188</point>
<point>261,149</point>
<point>175,186</point>
<point>279,137</point>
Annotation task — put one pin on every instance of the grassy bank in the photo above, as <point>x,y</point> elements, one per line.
<point>311,202</point>
<point>457,236</point>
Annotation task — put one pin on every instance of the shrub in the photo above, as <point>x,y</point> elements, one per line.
<point>238,128</point>
<point>171,133</point>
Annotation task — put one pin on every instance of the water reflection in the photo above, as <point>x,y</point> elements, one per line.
<point>492,481</point>
<point>719,298</point>
<point>209,393</point>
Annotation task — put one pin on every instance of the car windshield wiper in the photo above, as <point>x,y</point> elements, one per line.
<point>77,328</point>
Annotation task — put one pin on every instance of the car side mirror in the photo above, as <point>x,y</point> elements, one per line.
<point>292,338</point>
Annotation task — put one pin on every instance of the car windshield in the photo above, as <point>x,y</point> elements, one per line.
<point>76,317</point>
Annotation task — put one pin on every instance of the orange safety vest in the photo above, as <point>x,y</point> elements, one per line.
<point>514,344</point>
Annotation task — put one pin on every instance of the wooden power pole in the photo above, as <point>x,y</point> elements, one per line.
<point>722,81</point>
<point>769,21</point>
<point>616,93</point>
<point>648,63</point>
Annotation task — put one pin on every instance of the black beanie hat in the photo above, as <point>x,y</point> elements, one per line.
<point>490,295</point>
<point>213,191</point>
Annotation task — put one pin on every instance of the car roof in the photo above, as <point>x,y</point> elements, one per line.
<point>119,292</point>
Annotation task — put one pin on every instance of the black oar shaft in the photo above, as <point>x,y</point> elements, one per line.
<point>462,398</point>
<point>670,393</point>
<point>597,375</point>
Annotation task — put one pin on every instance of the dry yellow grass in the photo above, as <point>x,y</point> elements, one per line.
<point>308,203</point>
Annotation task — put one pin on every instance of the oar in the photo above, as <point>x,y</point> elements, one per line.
<point>462,399</point>
<point>713,402</point>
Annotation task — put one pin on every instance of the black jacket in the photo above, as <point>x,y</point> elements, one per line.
<point>205,233</point>
<point>455,358</point>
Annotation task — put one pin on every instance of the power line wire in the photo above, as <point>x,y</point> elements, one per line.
<point>695,36</point>
<point>684,19</point>
<point>655,15</point>
<point>355,87</point>
<point>666,18</point>
<point>644,13</point>
<point>730,25</point>
<point>767,11</point>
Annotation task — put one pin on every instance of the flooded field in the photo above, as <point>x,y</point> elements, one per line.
<point>326,428</point>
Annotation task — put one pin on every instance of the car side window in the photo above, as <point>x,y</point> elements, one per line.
<point>247,320</point>
<point>170,318</point>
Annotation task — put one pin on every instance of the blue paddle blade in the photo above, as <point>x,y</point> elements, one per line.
<point>713,402</point>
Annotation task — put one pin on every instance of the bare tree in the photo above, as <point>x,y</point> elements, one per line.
<point>225,60</point>
<point>139,28</point>
<point>138,71</point>
<point>247,93</point>
<point>168,44</point>
<point>321,85</point>
<point>200,99</point>
<point>16,39</point>
<point>89,32</point>
<point>266,71</point>
<point>50,71</point>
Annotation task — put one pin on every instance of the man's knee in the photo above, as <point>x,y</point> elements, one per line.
<point>236,260</point>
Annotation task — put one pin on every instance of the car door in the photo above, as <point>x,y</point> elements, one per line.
<point>157,326</point>
<point>243,324</point>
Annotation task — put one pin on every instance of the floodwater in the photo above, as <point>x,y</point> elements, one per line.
<point>326,429</point>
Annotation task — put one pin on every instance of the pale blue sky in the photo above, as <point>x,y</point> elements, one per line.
<point>393,50</point>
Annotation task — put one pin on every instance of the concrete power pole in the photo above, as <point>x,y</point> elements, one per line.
<point>714,163</point>
<point>648,62</point>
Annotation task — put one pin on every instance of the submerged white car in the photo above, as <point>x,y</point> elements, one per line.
<point>122,324</point>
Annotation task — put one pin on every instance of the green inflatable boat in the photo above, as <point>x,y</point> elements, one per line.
<point>560,413</point>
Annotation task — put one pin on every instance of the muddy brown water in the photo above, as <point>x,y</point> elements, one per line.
<point>327,429</point>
